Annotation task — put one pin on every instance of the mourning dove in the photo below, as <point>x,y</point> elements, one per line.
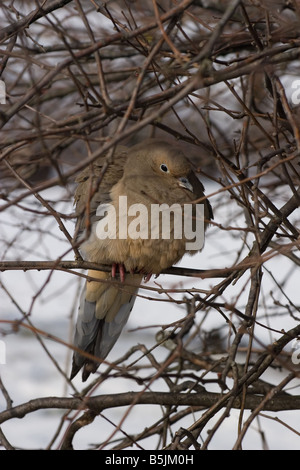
<point>139,178</point>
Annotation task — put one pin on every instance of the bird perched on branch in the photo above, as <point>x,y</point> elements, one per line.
<point>121,223</point>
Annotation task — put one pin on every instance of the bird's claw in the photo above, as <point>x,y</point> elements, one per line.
<point>120,268</point>
<point>147,277</point>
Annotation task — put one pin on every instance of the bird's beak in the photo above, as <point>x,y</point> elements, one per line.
<point>184,183</point>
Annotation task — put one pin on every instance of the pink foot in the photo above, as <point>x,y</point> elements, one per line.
<point>118,267</point>
<point>147,277</point>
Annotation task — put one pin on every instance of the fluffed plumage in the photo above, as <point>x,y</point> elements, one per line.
<point>154,172</point>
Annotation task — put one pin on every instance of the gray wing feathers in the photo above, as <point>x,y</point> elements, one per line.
<point>112,330</point>
<point>97,336</point>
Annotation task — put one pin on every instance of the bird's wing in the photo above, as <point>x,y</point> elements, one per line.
<point>103,312</point>
<point>94,184</point>
<point>105,303</point>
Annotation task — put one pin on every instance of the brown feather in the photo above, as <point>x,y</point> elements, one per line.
<point>137,174</point>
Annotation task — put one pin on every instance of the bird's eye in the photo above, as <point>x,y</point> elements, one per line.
<point>164,168</point>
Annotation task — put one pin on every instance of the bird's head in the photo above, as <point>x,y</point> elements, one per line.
<point>163,168</point>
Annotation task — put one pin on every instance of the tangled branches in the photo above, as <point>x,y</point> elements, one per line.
<point>217,343</point>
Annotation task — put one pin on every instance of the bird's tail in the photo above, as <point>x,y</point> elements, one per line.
<point>103,312</point>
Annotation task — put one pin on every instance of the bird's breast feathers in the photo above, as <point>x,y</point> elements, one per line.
<point>148,238</point>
